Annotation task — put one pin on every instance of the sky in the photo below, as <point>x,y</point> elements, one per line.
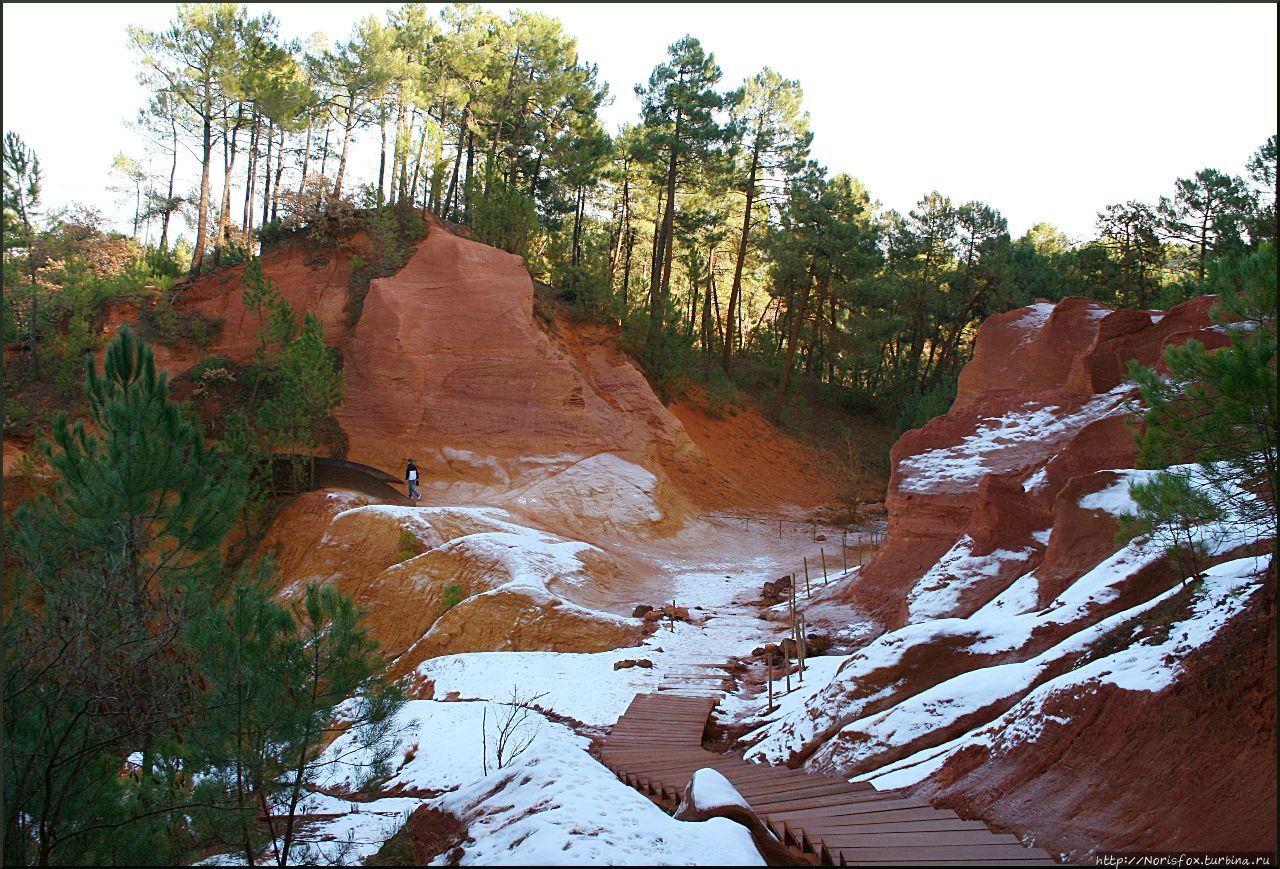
<point>1046,112</point>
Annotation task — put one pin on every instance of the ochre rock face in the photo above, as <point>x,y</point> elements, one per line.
<point>447,360</point>
<point>1041,404</point>
<point>1112,769</point>
<point>512,585</point>
<point>447,363</point>
<point>313,281</point>
<point>518,619</point>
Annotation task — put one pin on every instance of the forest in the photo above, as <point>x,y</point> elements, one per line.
<point>732,262</point>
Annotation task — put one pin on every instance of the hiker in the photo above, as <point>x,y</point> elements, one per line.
<point>411,474</point>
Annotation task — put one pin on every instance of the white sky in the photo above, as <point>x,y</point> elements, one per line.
<point>1044,112</point>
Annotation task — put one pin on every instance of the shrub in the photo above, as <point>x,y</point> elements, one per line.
<point>453,595</point>
<point>14,414</point>
<point>507,219</point>
<point>409,545</point>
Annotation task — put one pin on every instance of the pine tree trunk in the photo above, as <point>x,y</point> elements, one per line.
<point>348,125</point>
<point>466,191</point>
<point>229,152</point>
<point>417,162</point>
<point>275,190</point>
<point>306,166</point>
<point>793,340</point>
<point>324,151</point>
<point>450,203</point>
<point>626,272</point>
<point>382,155</point>
<point>251,176</point>
<point>168,203</point>
<point>660,280</point>
<point>736,289</point>
<point>202,211</point>
<point>266,176</point>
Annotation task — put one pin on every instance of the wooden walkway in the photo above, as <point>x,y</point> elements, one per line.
<point>657,745</point>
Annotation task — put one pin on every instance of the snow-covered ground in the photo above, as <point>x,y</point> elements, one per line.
<point>555,804</point>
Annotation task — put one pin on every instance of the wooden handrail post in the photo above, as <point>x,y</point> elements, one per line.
<point>823,553</point>
<point>768,662</point>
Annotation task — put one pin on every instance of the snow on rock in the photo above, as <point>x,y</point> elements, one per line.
<point>942,649</point>
<point>1000,444</point>
<point>558,807</point>
<point>939,590</point>
<point>402,563</point>
<point>1144,666</point>
<point>601,492</point>
<point>711,790</point>
<point>1031,322</point>
<point>1035,481</point>
<point>936,709</point>
<point>1115,498</point>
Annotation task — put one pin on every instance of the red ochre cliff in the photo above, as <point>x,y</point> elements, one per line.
<point>1032,671</point>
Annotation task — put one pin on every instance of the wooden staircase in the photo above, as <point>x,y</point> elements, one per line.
<point>657,745</point>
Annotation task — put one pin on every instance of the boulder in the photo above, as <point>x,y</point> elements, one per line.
<point>710,795</point>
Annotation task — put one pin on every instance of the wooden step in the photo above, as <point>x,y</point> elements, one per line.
<point>933,853</point>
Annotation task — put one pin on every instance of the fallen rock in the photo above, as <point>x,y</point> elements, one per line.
<point>816,644</point>
<point>628,663</point>
<point>653,615</point>
<point>679,613</point>
<point>641,610</point>
<point>776,591</point>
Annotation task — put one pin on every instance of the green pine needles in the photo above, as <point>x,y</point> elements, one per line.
<point>1218,410</point>
<point>155,702</point>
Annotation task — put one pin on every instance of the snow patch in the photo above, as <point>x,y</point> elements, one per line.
<point>1033,320</point>
<point>939,591</point>
<point>602,489</point>
<point>1144,666</point>
<point>1001,444</point>
<point>559,807</point>
<point>711,790</point>
<point>1035,481</point>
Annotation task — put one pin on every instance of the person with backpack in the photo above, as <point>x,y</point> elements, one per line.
<point>411,475</point>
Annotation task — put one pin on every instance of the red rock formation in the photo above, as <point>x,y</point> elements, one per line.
<point>1191,767</point>
<point>313,281</point>
<point>1039,405</point>
<point>446,362</point>
<point>447,357</point>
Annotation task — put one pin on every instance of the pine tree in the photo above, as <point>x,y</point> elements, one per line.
<point>112,568</point>
<point>775,145</point>
<point>330,660</point>
<point>1217,409</point>
<point>21,199</point>
<point>679,130</point>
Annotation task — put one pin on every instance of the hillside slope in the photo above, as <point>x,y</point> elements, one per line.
<point>1032,671</point>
